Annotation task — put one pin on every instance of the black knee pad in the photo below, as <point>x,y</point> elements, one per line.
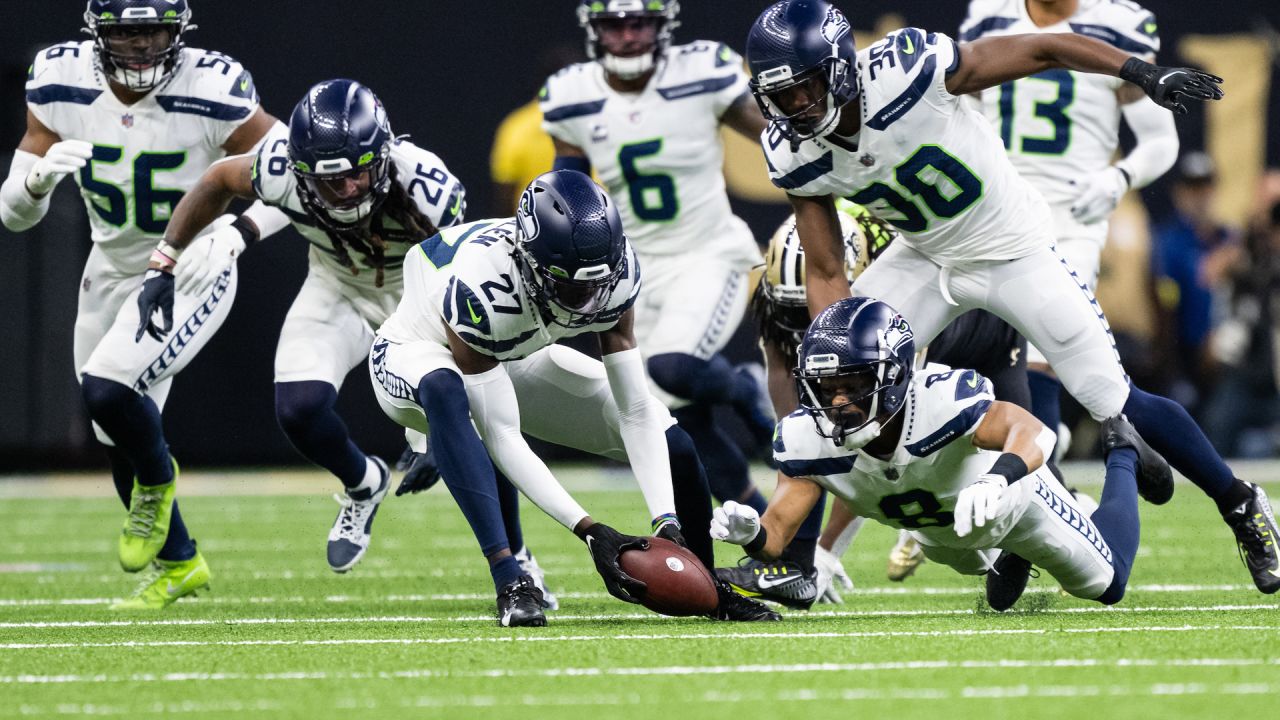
<point>666,369</point>
<point>297,403</point>
<point>104,397</point>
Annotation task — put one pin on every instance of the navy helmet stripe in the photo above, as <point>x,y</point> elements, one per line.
<point>900,105</point>
<point>62,93</point>
<point>986,26</point>
<point>806,173</point>
<point>700,87</point>
<point>954,428</point>
<point>202,107</point>
<point>568,112</point>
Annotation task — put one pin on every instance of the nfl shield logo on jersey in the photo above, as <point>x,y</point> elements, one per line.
<point>126,120</point>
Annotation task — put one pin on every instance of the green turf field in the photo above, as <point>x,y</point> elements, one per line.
<point>410,633</point>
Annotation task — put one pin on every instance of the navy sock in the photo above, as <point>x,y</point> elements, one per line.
<point>464,463</point>
<point>805,543</point>
<point>121,473</point>
<point>1170,431</point>
<point>305,411</point>
<point>1046,392</point>
<point>133,422</point>
<point>504,572</point>
<point>509,499</point>
<point>726,467</point>
<point>178,545</point>
<point>692,495</point>
<point>1117,518</point>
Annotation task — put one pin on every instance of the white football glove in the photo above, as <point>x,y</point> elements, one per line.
<point>978,503</point>
<point>735,523</point>
<point>62,158</point>
<point>830,574</point>
<point>1100,194</point>
<point>208,257</point>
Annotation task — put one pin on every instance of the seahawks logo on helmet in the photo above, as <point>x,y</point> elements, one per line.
<point>525,216</point>
<point>897,333</point>
<point>835,26</point>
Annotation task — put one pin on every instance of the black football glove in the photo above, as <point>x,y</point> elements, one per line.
<point>606,546</point>
<point>420,471</point>
<point>671,531</point>
<point>157,294</point>
<point>1169,86</point>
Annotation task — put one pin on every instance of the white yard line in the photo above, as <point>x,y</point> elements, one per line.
<point>415,674</point>
<point>646,636</point>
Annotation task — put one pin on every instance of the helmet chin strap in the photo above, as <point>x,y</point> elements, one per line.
<point>351,216</point>
<point>628,68</point>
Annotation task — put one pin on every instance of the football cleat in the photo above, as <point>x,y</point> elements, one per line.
<point>529,564</point>
<point>147,526</point>
<point>167,581</point>
<point>1254,524</point>
<point>782,581</point>
<point>735,607</point>
<point>351,531</point>
<point>1155,479</point>
<point>520,604</point>
<point>904,558</point>
<point>1006,580</point>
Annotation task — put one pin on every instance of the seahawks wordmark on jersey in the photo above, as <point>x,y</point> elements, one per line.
<point>148,154</point>
<point>934,460</point>
<point>436,192</point>
<point>923,160</point>
<point>1061,126</point>
<point>467,278</point>
<point>658,151</point>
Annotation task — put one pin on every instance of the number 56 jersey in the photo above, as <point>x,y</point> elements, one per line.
<point>935,459</point>
<point>924,161</point>
<point>145,155</point>
<point>658,151</point>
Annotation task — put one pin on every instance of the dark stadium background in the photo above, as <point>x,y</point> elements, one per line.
<point>448,72</point>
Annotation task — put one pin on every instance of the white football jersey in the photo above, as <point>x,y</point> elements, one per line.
<point>467,278</point>
<point>658,151</point>
<point>437,193</point>
<point>925,161</point>
<point>935,459</point>
<point>1060,126</point>
<point>148,154</point>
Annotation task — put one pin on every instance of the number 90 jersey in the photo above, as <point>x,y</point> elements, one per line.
<point>438,195</point>
<point>148,154</point>
<point>935,459</point>
<point>658,151</point>
<point>1060,126</point>
<point>467,278</point>
<point>924,162</point>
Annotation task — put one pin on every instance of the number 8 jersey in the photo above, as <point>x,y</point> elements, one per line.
<point>148,154</point>
<point>923,160</point>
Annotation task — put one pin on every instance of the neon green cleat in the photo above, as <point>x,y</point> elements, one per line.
<point>147,526</point>
<point>167,581</point>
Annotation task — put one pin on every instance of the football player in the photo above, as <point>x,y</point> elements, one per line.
<point>1061,130</point>
<point>136,116</point>
<point>645,114</point>
<point>886,128</point>
<point>473,339</point>
<point>362,198</point>
<point>962,471</point>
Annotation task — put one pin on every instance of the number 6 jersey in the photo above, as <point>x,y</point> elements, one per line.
<point>145,155</point>
<point>923,160</point>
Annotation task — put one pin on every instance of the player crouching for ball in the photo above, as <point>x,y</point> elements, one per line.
<point>474,339</point>
<point>934,453</point>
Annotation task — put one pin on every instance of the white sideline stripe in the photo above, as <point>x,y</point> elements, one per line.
<point>647,671</point>
<point>380,619</point>
<point>450,597</point>
<point>647,636</point>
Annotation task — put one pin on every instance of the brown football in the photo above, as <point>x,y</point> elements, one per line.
<point>678,584</point>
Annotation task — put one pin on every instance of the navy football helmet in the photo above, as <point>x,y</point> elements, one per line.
<point>340,151</point>
<point>114,23</point>
<point>570,246</point>
<point>860,349</point>
<point>802,49</point>
<point>662,12</point>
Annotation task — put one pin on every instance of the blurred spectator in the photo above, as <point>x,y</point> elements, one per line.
<point>1240,416</point>
<point>1192,255</point>
<point>521,150</point>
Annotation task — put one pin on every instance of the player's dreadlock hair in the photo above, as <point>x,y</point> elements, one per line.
<point>370,239</point>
